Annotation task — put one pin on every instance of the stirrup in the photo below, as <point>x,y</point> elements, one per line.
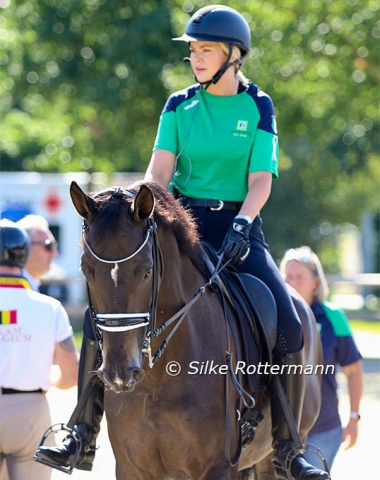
<point>309,447</point>
<point>58,427</point>
<point>294,452</point>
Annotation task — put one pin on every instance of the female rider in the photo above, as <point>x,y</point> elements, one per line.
<point>217,148</point>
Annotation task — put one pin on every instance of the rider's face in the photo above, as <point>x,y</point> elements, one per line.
<point>206,59</point>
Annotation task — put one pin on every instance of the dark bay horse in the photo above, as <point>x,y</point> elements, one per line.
<point>170,405</point>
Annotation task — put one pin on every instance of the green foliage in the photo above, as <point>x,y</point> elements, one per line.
<point>372,327</point>
<point>82,85</point>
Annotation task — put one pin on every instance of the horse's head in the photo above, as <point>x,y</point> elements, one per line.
<point>118,264</point>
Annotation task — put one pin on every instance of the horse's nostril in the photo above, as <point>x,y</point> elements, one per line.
<point>137,374</point>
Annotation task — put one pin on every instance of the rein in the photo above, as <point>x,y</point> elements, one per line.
<point>179,316</point>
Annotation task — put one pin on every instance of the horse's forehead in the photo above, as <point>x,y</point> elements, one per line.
<point>115,217</point>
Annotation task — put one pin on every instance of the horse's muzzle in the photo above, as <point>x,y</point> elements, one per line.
<point>131,378</point>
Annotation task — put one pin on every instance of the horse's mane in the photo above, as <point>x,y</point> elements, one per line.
<point>168,214</point>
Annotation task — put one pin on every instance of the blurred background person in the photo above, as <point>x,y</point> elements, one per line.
<point>302,270</point>
<point>43,250</point>
<point>35,332</point>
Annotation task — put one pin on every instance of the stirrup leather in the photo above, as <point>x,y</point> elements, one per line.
<point>58,427</point>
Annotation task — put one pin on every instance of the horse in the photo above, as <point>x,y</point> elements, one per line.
<point>170,404</point>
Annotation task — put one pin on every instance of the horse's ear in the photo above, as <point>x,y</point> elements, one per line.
<point>83,203</point>
<point>143,204</point>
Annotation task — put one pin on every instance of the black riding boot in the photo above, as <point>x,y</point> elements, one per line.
<point>87,425</point>
<point>285,454</point>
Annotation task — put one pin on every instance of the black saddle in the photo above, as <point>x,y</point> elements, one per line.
<point>255,310</point>
<point>253,298</point>
<point>256,314</point>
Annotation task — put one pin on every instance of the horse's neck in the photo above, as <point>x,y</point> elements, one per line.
<point>180,282</point>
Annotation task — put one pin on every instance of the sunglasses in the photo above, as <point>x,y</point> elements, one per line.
<point>304,258</point>
<point>47,244</point>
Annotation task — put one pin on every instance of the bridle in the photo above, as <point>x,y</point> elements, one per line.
<point>121,322</point>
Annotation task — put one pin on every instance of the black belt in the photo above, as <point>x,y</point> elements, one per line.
<point>215,205</point>
<point>11,391</point>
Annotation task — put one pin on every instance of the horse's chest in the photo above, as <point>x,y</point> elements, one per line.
<point>149,428</point>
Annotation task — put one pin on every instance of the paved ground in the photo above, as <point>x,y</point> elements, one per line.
<point>361,462</point>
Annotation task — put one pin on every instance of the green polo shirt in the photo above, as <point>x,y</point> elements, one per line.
<point>219,140</point>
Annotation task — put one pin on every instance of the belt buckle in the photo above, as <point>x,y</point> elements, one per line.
<point>219,207</point>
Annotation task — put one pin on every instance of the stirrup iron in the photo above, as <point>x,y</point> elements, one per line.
<point>58,427</point>
<point>308,447</point>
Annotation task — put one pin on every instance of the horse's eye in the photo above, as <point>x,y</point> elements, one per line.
<point>148,273</point>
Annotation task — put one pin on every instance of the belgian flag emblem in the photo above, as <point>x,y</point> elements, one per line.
<point>8,317</point>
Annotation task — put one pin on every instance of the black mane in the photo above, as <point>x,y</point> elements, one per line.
<point>168,214</point>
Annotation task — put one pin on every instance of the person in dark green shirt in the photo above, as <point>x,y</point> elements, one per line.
<point>217,149</point>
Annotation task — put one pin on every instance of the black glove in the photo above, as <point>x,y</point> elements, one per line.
<point>236,246</point>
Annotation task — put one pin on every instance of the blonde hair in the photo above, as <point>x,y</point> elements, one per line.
<point>236,55</point>
<point>310,260</point>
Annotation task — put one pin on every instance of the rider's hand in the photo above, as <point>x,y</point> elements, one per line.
<point>236,247</point>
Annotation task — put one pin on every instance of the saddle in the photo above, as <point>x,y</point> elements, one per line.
<point>256,314</point>
<point>255,309</point>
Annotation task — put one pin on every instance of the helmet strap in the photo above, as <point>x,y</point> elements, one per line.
<point>226,65</point>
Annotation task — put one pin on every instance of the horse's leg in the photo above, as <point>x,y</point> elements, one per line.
<point>265,469</point>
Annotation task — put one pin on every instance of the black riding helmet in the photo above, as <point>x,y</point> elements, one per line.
<point>218,23</point>
<point>14,245</point>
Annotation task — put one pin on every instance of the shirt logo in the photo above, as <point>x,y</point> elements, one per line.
<point>8,317</point>
<point>192,104</point>
<point>242,125</point>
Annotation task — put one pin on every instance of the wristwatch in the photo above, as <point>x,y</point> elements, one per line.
<point>355,415</point>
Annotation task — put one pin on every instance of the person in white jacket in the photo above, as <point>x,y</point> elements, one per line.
<point>35,333</point>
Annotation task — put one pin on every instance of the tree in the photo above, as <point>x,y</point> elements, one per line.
<point>81,87</point>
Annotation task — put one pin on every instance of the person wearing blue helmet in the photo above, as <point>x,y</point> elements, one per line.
<point>217,149</point>
<point>35,333</point>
